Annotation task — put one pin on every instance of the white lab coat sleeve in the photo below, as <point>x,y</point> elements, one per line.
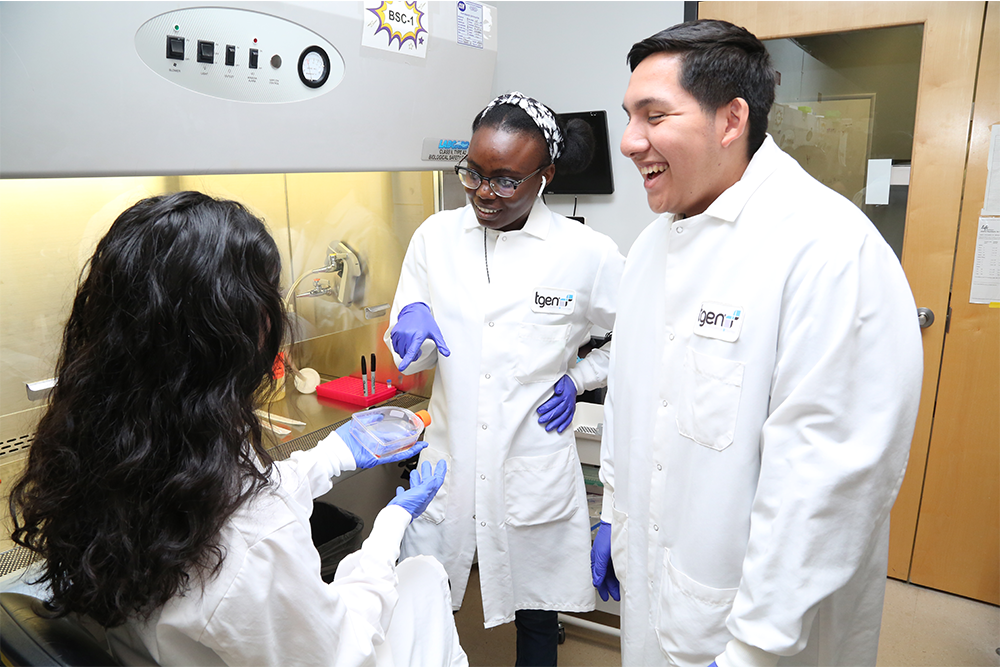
<point>284,614</point>
<point>741,654</point>
<point>834,447</point>
<point>315,469</point>
<point>607,470</point>
<point>592,371</point>
<point>413,286</point>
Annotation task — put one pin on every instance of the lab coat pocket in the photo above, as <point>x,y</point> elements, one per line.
<point>435,512</point>
<point>709,399</point>
<point>691,620</point>
<point>541,353</point>
<point>619,544</point>
<point>542,489</point>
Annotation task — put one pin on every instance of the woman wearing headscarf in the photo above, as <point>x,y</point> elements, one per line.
<point>498,297</point>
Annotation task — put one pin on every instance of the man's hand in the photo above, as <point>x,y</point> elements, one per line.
<point>601,568</point>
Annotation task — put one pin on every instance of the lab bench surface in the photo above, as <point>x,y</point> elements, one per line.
<point>321,416</point>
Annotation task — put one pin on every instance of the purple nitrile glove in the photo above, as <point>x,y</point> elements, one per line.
<point>601,569</point>
<point>559,409</point>
<point>424,485</point>
<point>414,325</point>
<point>365,459</point>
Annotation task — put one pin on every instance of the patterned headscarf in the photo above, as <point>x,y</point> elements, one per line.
<point>539,113</point>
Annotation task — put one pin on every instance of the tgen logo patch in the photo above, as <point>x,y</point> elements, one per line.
<point>719,321</point>
<point>553,300</point>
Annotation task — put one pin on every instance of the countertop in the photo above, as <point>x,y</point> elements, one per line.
<point>321,416</point>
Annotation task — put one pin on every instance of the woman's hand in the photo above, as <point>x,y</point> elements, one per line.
<point>557,413</point>
<point>423,486</point>
<point>414,325</point>
<point>365,459</point>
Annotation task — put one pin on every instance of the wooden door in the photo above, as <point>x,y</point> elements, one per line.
<point>957,547</point>
<point>952,33</point>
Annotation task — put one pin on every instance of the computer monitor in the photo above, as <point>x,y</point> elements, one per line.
<point>597,178</point>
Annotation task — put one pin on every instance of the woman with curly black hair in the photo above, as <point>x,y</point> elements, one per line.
<point>148,492</point>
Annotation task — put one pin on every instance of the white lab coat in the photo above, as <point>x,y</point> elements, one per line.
<point>749,480</point>
<point>513,490</point>
<point>268,605</point>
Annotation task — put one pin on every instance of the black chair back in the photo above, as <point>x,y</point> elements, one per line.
<point>29,638</point>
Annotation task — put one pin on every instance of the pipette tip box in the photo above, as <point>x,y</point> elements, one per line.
<point>348,389</point>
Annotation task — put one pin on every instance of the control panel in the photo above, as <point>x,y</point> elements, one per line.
<point>238,54</point>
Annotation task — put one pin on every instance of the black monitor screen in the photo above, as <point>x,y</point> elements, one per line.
<point>597,178</point>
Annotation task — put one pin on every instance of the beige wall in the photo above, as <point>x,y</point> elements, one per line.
<point>49,228</point>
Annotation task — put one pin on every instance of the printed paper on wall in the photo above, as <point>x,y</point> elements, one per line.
<point>396,26</point>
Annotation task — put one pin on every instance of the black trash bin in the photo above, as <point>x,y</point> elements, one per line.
<point>335,533</point>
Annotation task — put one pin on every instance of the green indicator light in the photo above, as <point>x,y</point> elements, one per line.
<point>176,28</point>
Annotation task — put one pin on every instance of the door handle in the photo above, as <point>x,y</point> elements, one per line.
<point>925,317</point>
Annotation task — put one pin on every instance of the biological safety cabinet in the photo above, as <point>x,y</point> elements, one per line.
<point>154,88</point>
<point>332,121</point>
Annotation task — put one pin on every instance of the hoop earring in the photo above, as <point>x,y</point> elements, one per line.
<point>542,188</point>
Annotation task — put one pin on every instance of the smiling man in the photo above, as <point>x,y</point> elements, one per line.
<point>764,382</point>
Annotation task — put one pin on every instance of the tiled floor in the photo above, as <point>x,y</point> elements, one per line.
<point>920,627</point>
<point>924,627</point>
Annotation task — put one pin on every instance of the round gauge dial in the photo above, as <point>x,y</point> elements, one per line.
<point>314,67</point>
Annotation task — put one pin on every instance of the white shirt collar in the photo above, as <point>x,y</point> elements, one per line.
<point>730,203</point>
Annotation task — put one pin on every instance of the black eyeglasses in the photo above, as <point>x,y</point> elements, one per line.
<point>502,186</point>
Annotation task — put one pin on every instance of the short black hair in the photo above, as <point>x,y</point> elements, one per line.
<point>719,62</point>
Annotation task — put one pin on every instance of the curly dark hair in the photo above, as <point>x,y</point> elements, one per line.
<point>578,136</point>
<point>150,441</point>
<point>719,63</point>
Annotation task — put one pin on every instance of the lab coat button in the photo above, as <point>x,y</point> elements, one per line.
<point>670,336</point>
<point>659,467</point>
<point>503,238</point>
<point>487,376</point>
<point>664,403</point>
<point>656,528</point>
<point>482,477</point>
<point>484,426</point>
<point>483,523</point>
<point>491,324</point>
<point>680,230</point>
